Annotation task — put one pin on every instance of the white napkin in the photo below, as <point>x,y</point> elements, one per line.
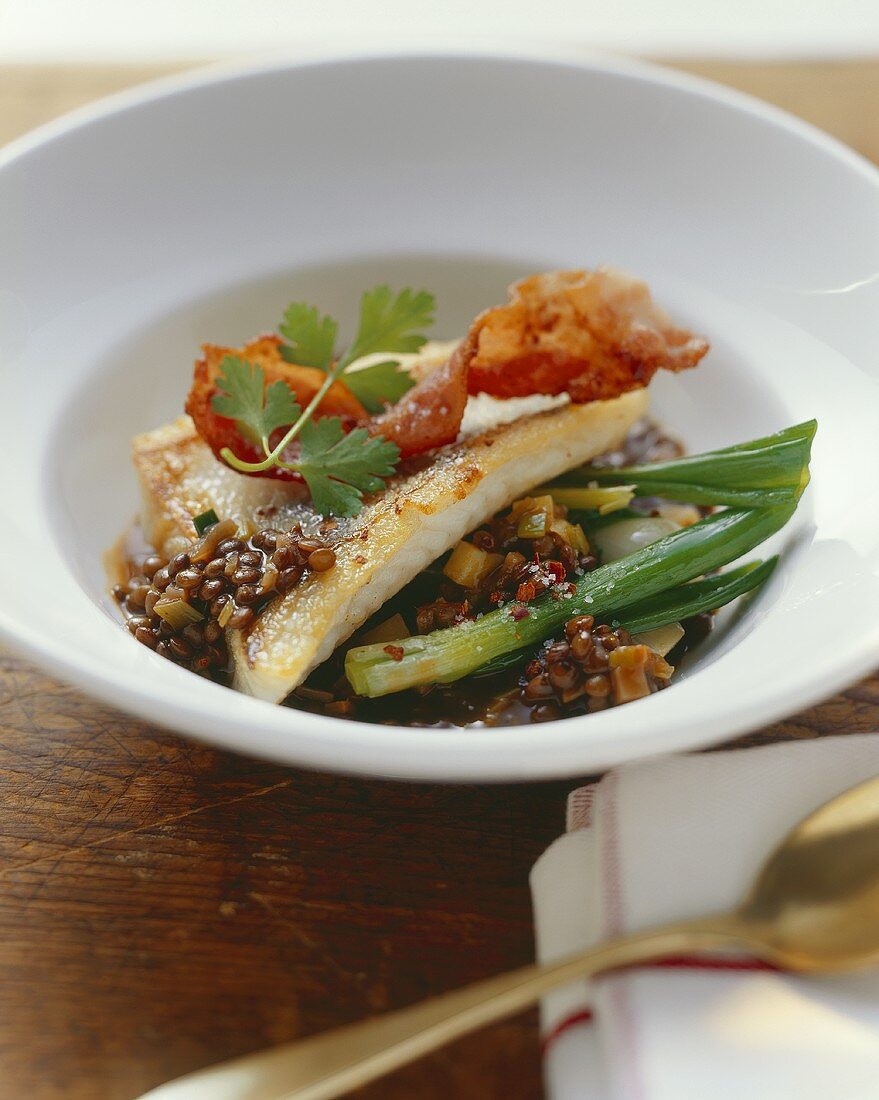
<point>682,837</point>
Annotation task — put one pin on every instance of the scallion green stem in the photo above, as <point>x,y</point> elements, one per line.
<point>763,473</point>
<point>447,655</point>
<point>694,597</point>
<point>668,607</point>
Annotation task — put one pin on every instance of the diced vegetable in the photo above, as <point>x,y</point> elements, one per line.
<point>661,639</point>
<point>629,665</point>
<point>533,516</point>
<point>544,503</point>
<point>618,539</point>
<point>468,565</point>
<point>205,520</point>
<point>177,613</point>
<point>684,515</point>
<point>391,629</point>
<point>572,533</point>
<point>533,525</point>
<point>603,499</point>
<point>211,539</point>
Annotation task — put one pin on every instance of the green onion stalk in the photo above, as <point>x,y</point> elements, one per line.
<point>672,606</point>
<point>447,655</point>
<point>763,473</point>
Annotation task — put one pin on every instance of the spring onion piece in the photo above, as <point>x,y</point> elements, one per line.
<point>447,655</point>
<point>678,603</point>
<point>205,520</point>
<point>177,613</point>
<point>690,599</point>
<point>760,474</point>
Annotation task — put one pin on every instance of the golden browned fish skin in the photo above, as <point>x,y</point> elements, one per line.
<point>422,513</point>
<point>420,516</point>
<point>180,478</point>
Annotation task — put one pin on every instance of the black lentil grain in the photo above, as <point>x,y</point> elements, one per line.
<point>233,578</point>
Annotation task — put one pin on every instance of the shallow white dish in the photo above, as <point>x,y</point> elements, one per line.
<point>195,208</point>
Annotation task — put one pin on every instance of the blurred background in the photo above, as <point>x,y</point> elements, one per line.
<point>175,30</point>
<point>816,58</point>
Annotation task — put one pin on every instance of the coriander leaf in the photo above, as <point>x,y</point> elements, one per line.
<point>256,409</point>
<point>312,337</point>
<point>379,384</point>
<point>281,408</point>
<point>339,468</point>
<point>389,323</point>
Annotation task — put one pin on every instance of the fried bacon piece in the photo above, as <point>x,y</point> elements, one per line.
<point>430,414</point>
<point>590,334</point>
<point>219,431</point>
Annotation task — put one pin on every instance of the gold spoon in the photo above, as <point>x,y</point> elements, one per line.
<point>814,907</point>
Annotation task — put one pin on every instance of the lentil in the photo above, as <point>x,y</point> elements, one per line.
<point>576,672</point>
<point>227,580</point>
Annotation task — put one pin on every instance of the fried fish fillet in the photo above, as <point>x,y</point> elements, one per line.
<point>425,509</point>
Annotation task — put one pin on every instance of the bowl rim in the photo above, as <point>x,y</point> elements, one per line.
<point>504,753</point>
<point>432,47</point>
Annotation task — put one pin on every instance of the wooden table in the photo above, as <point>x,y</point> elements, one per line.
<point>164,906</point>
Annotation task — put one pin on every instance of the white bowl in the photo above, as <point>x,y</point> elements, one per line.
<point>193,209</point>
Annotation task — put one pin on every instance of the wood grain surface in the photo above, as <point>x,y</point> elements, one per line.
<point>164,906</point>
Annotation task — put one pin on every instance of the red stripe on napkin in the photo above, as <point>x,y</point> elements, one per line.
<point>582,1016</point>
<point>672,962</point>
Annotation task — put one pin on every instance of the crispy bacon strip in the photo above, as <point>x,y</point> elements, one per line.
<point>430,414</point>
<point>591,334</point>
<point>219,431</point>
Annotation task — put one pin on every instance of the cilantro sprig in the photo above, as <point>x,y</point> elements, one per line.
<point>312,337</point>
<point>337,467</point>
<point>257,409</point>
<point>340,468</point>
<point>388,323</point>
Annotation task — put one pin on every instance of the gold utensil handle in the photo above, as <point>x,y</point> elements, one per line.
<point>335,1062</point>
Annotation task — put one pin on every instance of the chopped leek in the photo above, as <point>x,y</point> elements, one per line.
<point>177,613</point>
<point>205,520</point>
<point>603,499</point>
<point>661,639</point>
<point>468,565</point>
